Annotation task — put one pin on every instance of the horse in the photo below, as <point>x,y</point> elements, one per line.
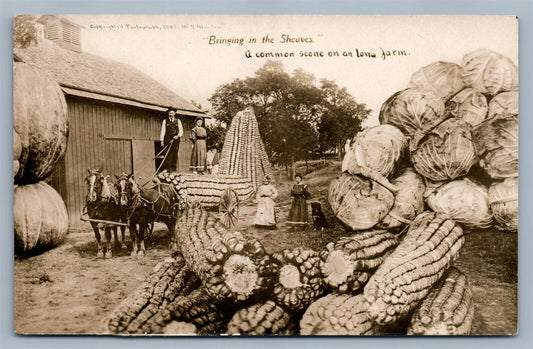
<point>146,205</point>
<point>101,204</point>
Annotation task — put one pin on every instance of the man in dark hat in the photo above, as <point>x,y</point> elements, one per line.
<point>171,133</point>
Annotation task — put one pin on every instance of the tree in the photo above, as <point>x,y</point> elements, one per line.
<point>24,31</point>
<point>229,99</point>
<point>286,107</point>
<point>341,118</point>
<point>215,136</point>
<point>291,111</point>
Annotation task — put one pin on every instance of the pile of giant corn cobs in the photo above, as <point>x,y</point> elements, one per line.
<point>443,161</point>
<point>367,283</point>
<point>206,189</point>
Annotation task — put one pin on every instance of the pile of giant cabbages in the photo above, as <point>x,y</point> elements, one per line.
<point>448,141</point>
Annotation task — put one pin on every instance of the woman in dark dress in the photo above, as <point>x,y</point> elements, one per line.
<point>199,149</point>
<point>298,212</point>
<point>171,131</point>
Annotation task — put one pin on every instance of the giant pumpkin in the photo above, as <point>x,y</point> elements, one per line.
<point>17,151</point>
<point>40,218</point>
<point>40,121</point>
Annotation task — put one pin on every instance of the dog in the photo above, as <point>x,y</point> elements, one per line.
<point>319,219</point>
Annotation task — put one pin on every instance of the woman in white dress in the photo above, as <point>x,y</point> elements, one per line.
<point>266,215</point>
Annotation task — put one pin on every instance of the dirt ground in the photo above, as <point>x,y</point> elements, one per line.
<point>69,291</point>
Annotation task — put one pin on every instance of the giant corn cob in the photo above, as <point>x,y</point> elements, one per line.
<point>298,281</point>
<point>168,280</point>
<point>230,266</point>
<point>180,327</point>
<point>206,189</point>
<point>348,263</point>
<point>196,308</point>
<point>447,309</point>
<point>243,153</point>
<point>261,319</point>
<point>337,314</point>
<point>406,276</point>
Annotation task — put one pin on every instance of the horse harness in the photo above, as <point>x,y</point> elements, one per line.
<point>139,200</point>
<point>95,206</point>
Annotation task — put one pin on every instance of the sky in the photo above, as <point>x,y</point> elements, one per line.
<point>193,55</point>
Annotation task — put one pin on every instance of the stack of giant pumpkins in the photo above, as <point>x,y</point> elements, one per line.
<point>40,133</point>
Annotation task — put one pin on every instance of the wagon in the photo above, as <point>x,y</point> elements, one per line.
<point>208,191</point>
<point>214,192</point>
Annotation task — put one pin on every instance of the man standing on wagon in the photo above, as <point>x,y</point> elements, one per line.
<point>171,132</point>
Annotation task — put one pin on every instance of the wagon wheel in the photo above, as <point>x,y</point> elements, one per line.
<point>229,207</point>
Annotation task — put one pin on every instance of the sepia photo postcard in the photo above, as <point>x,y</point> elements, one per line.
<point>265,175</point>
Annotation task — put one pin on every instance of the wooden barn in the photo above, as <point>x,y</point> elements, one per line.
<point>115,112</point>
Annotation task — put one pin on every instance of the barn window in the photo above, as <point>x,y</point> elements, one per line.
<point>76,36</point>
<point>71,34</point>
<point>52,32</point>
<point>67,33</point>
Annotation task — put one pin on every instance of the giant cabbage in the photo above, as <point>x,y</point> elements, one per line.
<point>413,111</point>
<point>444,79</point>
<point>503,201</point>
<point>408,201</point>
<point>489,72</point>
<point>496,142</point>
<point>503,103</point>
<point>463,201</point>
<point>375,151</point>
<point>358,202</point>
<point>469,105</point>
<point>446,153</point>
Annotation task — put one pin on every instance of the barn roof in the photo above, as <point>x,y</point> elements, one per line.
<point>90,76</point>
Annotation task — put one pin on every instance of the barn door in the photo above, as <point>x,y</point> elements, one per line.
<point>143,159</point>
<point>184,157</point>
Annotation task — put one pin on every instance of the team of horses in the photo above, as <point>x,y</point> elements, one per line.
<point>111,206</point>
